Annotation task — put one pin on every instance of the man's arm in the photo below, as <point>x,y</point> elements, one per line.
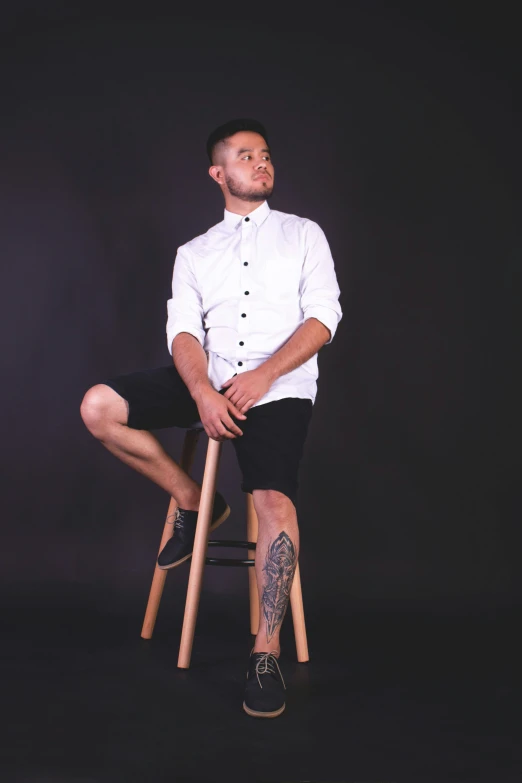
<point>185,308</point>
<point>246,389</point>
<point>319,300</point>
<point>185,338</point>
<point>190,361</point>
<point>302,345</point>
<point>214,410</point>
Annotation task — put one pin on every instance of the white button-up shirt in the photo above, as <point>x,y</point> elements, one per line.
<point>245,286</point>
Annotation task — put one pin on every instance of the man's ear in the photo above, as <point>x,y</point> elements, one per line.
<point>217,174</point>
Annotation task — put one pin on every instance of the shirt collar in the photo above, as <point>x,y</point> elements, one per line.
<point>259,215</point>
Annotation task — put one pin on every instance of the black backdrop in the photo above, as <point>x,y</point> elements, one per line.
<point>398,133</point>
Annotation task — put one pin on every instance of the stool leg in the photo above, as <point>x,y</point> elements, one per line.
<point>296,602</point>
<point>252,531</point>
<point>197,565</point>
<point>188,452</point>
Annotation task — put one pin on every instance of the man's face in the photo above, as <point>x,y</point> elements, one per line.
<point>247,167</point>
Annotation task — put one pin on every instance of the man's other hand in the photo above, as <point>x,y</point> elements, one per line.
<point>247,388</point>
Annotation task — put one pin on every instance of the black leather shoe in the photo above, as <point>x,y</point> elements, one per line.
<point>265,689</point>
<point>179,547</point>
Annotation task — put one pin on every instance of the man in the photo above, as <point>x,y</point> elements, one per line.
<point>253,301</point>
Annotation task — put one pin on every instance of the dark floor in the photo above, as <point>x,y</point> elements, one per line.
<point>386,698</point>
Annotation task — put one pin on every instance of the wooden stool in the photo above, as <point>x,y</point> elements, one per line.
<point>199,558</point>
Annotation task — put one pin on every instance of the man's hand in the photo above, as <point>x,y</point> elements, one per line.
<point>215,414</point>
<point>246,389</point>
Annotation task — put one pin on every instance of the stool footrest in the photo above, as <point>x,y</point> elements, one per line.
<point>229,561</point>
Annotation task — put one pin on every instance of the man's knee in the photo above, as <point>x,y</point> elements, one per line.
<point>101,407</point>
<point>270,501</point>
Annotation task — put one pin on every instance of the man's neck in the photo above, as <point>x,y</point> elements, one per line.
<point>240,207</point>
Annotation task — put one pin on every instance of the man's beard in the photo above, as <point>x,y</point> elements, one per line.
<point>254,194</point>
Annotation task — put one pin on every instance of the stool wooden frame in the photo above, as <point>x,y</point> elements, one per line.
<point>199,558</point>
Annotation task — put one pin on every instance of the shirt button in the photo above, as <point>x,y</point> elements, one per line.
<point>245,263</point>
<point>240,364</point>
<point>247,293</point>
<point>243,315</point>
<point>246,220</point>
<point>241,343</point>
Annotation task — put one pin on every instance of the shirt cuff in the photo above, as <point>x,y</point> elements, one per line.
<point>199,334</point>
<point>328,318</point>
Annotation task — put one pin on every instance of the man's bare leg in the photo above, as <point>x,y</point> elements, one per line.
<point>105,415</point>
<point>276,559</point>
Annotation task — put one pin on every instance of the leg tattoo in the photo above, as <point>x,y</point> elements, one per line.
<point>280,563</point>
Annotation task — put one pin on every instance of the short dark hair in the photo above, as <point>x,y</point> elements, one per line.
<point>232,127</point>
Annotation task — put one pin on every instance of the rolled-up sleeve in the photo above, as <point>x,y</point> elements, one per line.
<point>184,309</point>
<point>319,288</point>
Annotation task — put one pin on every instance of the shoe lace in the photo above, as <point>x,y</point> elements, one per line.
<point>265,665</point>
<point>178,519</point>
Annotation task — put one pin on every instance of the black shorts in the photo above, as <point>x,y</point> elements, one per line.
<point>268,452</point>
